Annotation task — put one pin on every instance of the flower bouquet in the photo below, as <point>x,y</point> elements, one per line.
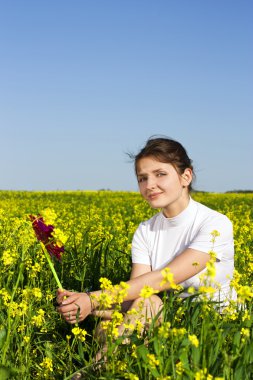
<point>51,246</point>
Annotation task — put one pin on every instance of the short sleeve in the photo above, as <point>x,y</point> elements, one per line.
<point>223,244</point>
<point>140,250</point>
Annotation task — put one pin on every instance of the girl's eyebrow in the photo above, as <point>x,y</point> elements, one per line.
<point>153,171</point>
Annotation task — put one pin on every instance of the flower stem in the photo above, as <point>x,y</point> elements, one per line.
<point>51,265</point>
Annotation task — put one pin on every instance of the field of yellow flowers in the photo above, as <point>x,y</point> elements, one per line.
<point>194,341</point>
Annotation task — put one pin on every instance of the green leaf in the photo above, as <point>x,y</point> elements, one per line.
<point>2,337</point>
<point>4,373</point>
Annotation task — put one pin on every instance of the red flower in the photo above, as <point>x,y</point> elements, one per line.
<point>44,234</point>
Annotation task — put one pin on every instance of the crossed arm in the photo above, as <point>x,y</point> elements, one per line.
<point>72,304</point>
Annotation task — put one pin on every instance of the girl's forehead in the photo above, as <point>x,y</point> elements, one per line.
<point>151,163</point>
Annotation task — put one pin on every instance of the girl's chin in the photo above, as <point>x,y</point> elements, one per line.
<point>156,205</point>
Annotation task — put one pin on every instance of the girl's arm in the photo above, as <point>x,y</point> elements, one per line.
<point>139,269</point>
<point>187,264</point>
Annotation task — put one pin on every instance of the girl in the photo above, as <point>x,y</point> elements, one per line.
<point>184,236</point>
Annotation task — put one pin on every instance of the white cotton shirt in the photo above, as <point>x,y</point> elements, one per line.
<point>159,240</point>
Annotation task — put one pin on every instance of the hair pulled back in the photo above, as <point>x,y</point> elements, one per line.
<point>166,150</point>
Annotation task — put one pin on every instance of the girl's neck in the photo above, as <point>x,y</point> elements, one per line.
<point>177,207</point>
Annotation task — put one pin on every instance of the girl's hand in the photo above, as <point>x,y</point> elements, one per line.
<point>73,306</point>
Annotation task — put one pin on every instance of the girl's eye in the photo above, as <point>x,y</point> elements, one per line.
<point>160,174</point>
<point>141,179</point>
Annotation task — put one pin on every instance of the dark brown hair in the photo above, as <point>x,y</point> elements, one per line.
<point>166,150</point>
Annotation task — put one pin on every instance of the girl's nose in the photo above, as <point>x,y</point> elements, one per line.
<point>150,183</point>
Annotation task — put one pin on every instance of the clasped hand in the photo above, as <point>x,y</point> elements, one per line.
<point>73,306</point>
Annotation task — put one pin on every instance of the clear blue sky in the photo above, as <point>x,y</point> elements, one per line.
<point>84,81</point>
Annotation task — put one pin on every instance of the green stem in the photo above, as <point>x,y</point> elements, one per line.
<point>7,340</point>
<point>51,265</point>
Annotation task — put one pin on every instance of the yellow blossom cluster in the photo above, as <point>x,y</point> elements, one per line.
<point>194,340</point>
<point>152,360</point>
<point>147,291</point>
<point>47,364</point>
<point>168,278</point>
<point>111,294</point>
<point>97,229</point>
<point>39,319</point>
<point>79,333</point>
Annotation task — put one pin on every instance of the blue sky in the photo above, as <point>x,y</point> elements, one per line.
<point>84,81</point>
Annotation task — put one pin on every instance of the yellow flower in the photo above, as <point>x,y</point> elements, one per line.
<point>178,332</point>
<point>23,307</point>
<point>131,376</point>
<point>105,283</point>
<point>129,326</point>
<point>244,293</point>
<point>214,235</point>
<point>147,291</point>
<point>194,340</point>
<point>134,354</point>
<point>117,317</point>
<point>207,289</point>
<point>26,339</point>
<point>179,368</point>
<point>245,332</point>
<point>121,366</point>
<point>132,311</point>
<point>203,375</point>
<point>164,330</point>
<point>246,316</point>
<point>168,278</point>
<point>105,300</point>
<point>210,269</point>
<point>37,293</point>
<point>47,364</point>
<point>5,295</point>
<point>139,328</point>
<point>9,257</point>
<point>153,362</point>
<point>119,292</point>
<point>49,216</point>
<point>79,333</point>
<point>191,290</point>
<point>38,320</point>
<point>35,269</point>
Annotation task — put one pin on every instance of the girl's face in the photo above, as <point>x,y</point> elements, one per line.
<point>162,187</point>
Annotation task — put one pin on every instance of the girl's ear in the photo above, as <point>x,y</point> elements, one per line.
<point>186,177</point>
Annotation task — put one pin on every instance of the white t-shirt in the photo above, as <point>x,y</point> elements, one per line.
<point>159,240</point>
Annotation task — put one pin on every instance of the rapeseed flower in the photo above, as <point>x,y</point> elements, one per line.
<point>203,374</point>
<point>147,291</point>
<point>131,376</point>
<point>245,332</point>
<point>152,360</point>
<point>39,319</point>
<point>5,296</point>
<point>26,339</point>
<point>105,283</point>
<point>168,278</point>
<point>194,340</point>
<point>79,333</point>
<point>244,293</point>
<point>179,368</point>
<point>164,329</point>
<point>37,293</point>
<point>9,257</point>
<point>47,364</point>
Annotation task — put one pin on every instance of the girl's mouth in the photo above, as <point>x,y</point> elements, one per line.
<point>153,196</point>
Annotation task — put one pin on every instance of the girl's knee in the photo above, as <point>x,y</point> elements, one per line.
<point>152,305</point>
